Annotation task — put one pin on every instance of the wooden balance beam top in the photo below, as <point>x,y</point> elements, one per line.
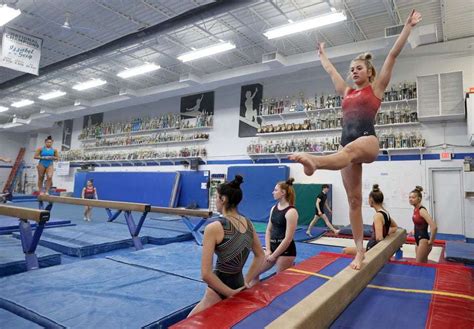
<point>127,206</point>
<point>25,213</point>
<point>323,306</point>
<point>182,212</point>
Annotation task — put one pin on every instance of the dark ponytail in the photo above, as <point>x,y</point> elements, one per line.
<point>49,138</point>
<point>232,191</point>
<point>376,194</point>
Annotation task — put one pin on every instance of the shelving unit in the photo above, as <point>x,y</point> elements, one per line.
<point>145,144</point>
<point>144,132</point>
<point>140,162</point>
<point>280,156</point>
<point>391,151</point>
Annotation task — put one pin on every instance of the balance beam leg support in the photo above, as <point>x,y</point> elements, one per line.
<point>27,242</point>
<point>323,306</point>
<point>137,242</point>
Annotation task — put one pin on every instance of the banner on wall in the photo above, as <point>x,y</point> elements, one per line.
<point>62,168</point>
<point>197,110</point>
<point>93,120</point>
<point>67,133</point>
<point>250,100</point>
<point>20,51</point>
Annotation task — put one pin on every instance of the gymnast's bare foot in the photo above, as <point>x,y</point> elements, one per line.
<point>307,160</point>
<point>356,264</point>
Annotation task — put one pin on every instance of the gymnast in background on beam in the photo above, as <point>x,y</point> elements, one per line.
<point>280,248</point>
<point>383,224</point>
<point>359,141</point>
<point>422,219</point>
<point>89,192</point>
<point>46,156</point>
<point>231,238</point>
<point>321,203</point>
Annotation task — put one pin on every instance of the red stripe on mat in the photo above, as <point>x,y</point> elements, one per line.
<point>448,312</point>
<point>230,311</point>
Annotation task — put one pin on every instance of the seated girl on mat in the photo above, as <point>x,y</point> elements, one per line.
<point>231,238</point>
<point>383,224</point>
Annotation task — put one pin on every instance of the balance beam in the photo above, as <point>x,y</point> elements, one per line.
<point>323,306</point>
<point>29,240</point>
<point>127,206</point>
<point>185,214</point>
<point>182,212</point>
<point>25,213</point>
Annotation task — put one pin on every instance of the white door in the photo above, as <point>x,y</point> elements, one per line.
<point>447,200</point>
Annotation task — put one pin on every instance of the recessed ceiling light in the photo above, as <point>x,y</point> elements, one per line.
<point>128,73</point>
<point>51,95</point>
<point>22,103</point>
<point>203,52</point>
<point>89,84</point>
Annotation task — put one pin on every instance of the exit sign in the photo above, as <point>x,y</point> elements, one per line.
<point>445,156</point>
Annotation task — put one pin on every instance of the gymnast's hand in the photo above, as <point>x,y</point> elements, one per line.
<point>413,19</point>
<point>270,258</point>
<point>235,291</point>
<point>320,48</point>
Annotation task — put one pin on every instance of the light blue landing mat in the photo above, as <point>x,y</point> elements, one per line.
<point>94,238</point>
<point>97,293</point>
<point>10,320</point>
<point>12,258</point>
<point>184,259</point>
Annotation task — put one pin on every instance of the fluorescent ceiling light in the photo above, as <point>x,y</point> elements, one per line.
<point>304,25</point>
<point>21,121</point>
<point>11,125</point>
<point>89,84</point>
<point>149,67</point>
<point>51,95</point>
<point>7,14</point>
<point>3,109</point>
<point>203,52</point>
<point>22,103</point>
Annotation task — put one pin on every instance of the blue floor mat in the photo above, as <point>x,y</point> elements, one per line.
<point>12,258</point>
<point>97,293</point>
<point>300,234</point>
<point>180,259</point>
<point>9,225</point>
<point>94,238</point>
<point>184,259</point>
<point>11,320</point>
<point>457,251</point>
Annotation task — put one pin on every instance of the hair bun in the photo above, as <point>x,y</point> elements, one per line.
<point>419,188</point>
<point>237,181</point>
<point>375,188</point>
<point>368,56</point>
<point>290,181</point>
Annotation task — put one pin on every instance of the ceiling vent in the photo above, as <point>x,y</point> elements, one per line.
<point>274,59</point>
<point>391,31</point>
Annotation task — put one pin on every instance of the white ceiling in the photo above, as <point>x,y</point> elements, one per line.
<point>97,22</point>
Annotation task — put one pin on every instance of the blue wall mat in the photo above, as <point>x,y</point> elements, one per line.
<point>191,191</point>
<point>258,186</point>
<point>156,188</point>
<point>79,182</point>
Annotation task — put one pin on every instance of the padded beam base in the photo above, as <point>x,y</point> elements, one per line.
<point>323,306</point>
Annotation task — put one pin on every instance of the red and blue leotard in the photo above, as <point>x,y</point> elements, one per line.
<point>359,109</point>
